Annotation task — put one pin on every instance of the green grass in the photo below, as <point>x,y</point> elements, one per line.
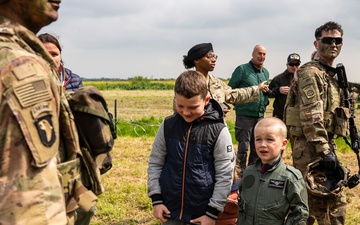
<point>136,83</point>
<point>138,128</point>
<point>125,200</point>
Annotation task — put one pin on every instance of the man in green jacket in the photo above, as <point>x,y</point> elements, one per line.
<point>248,114</point>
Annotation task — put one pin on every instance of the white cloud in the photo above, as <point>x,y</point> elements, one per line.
<point>118,38</point>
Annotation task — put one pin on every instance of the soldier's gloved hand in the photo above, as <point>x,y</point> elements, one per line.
<point>330,160</point>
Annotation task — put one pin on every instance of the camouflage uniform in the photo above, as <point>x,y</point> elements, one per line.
<point>30,191</point>
<point>37,127</point>
<point>310,115</point>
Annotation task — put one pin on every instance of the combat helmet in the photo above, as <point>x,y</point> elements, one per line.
<point>322,183</point>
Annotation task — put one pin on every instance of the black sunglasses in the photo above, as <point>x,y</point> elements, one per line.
<point>330,40</point>
<point>294,64</point>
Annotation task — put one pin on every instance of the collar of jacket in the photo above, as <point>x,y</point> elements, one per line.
<point>266,167</point>
<point>257,69</point>
<point>213,111</point>
<point>287,73</point>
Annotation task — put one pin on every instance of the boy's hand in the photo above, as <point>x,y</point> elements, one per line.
<point>159,210</point>
<point>203,220</point>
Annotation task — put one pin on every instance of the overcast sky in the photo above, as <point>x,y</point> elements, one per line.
<point>123,39</point>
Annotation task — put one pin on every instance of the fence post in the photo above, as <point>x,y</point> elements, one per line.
<point>115,110</point>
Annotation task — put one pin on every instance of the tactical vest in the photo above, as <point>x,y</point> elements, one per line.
<point>315,81</point>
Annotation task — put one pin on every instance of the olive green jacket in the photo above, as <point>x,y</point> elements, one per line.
<point>276,197</point>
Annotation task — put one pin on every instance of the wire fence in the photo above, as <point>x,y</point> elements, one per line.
<point>136,128</point>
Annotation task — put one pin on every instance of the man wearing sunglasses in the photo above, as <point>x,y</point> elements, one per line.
<point>311,115</point>
<point>280,85</point>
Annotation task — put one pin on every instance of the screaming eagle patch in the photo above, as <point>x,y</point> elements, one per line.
<point>46,130</point>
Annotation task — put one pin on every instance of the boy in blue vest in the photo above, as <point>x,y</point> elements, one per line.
<point>192,159</point>
<point>272,192</point>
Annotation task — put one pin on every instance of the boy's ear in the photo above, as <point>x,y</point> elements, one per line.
<point>285,141</point>
<point>207,99</point>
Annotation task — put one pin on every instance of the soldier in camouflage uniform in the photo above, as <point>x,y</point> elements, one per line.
<point>202,57</point>
<point>30,191</point>
<point>310,113</point>
<point>38,137</point>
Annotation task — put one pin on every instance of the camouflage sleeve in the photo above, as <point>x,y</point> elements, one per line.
<point>312,107</point>
<point>222,92</point>
<point>242,95</point>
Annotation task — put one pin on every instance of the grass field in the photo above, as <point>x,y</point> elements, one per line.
<point>125,200</point>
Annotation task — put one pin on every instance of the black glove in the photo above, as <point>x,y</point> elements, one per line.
<point>330,161</point>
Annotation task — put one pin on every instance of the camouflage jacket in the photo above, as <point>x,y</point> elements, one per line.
<point>313,107</point>
<point>30,191</point>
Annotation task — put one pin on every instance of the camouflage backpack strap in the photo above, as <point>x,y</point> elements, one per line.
<point>96,133</point>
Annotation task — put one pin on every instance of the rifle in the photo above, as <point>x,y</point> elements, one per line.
<point>354,137</point>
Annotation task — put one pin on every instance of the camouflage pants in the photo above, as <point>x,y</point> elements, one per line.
<point>326,211</point>
<point>304,153</point>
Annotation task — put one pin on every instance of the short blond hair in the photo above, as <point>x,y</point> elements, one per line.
<point>274,122</point>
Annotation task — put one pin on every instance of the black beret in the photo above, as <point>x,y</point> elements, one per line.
<point>199,51</point>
